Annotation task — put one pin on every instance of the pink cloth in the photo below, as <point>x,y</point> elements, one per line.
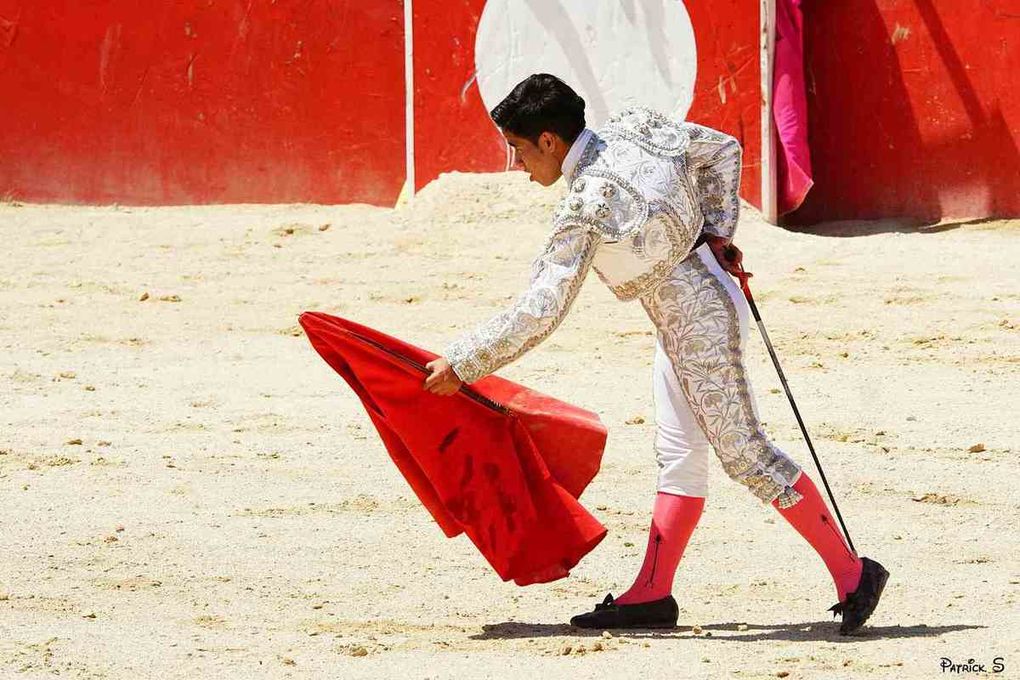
<point>812,520</point>
<point>673,522</point>
<point>789,108</point>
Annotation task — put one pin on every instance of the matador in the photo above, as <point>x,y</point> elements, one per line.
<point>652,207</point>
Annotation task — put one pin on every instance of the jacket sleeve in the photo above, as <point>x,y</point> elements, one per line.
<point>556,278</point>
<point>714,160</point>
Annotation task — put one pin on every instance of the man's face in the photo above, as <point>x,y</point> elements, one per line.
<point>541,159</point>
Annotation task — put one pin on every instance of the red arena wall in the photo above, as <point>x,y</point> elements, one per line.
<point>911,105</point>
<point>452,127</point>
<point>202,101</point>
<point>913,109</point>
<point>217,101</point>
<point>727,93</point>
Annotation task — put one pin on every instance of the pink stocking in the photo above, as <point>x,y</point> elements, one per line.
<point>673,522</point>
<point>811,518</point>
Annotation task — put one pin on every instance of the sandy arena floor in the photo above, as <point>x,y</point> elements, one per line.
<point>188,491</point>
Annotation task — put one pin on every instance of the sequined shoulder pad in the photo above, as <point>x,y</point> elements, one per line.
<point>605,202</point>
<point>650,130</point>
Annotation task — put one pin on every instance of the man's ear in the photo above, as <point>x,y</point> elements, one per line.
<point>547,141</point>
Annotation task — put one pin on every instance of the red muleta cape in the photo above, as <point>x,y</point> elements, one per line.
<point>497,461</point>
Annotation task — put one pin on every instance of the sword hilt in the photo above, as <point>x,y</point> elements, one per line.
<point>730,253</point>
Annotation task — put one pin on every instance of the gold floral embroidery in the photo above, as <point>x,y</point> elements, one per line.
<point>699,330</point>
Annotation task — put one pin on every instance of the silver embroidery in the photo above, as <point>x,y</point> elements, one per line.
<point>629,209</point>
<point>557,275</point>
<point>693,169</point>
<point>680,238</point>
<point>699,330</point>
<point>650,130</point>
<point>714,160</point>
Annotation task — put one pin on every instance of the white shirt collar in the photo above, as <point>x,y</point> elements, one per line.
<point>574,154</point>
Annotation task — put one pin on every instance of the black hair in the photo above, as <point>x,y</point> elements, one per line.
<point>541,103</point>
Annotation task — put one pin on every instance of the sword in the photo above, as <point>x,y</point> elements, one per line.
<point>744,276</point>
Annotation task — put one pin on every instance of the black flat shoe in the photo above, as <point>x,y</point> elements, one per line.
<point>656,614</point>
<point>859,604</point>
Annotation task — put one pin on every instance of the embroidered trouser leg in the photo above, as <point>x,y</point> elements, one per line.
<point>702,324</point>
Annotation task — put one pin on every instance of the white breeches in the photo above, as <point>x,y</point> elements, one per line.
<point>681,448</point>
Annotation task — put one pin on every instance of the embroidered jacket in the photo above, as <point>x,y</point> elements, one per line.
<point>642,189</point>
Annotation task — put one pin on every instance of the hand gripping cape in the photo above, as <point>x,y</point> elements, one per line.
<point>496,461</point>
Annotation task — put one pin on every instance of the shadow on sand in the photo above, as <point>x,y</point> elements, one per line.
<point>827,631</point>
<point>854,228</point>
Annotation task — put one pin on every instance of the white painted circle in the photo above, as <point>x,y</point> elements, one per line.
<point>614,53</point>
